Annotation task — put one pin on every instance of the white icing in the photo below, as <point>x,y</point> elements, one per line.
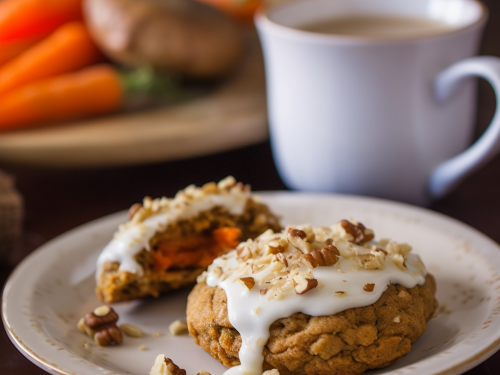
<point>251,313</point>
<point>135,235</point>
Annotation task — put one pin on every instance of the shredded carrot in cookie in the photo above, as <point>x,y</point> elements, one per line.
<point>196,250</point>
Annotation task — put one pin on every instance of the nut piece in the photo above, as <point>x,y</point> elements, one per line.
<point>309,260</point>
<point>248,281</point>
<point>102,328</point>
<point>131,330</point>
<point>108,336</point>
<point>297,233</point>
<point>203,373</point>
<point>81,325</point>
<point>133,209</point>
<point>102,310</point>
<point>368,287</point>
<point>178,328</point>
<point>359,232</point>
<point>173,368</point>
<point>303,285</point>
<point>327,256</point>
<point>165,366</point>
<point>271,372</point>
<point>297,238</point>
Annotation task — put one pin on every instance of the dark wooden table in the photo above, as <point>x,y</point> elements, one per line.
<point>57,200</point>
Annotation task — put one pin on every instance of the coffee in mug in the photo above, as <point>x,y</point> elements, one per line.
<point>380,27</point>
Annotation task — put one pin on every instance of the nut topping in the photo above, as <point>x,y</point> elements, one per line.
<point>292,232</point>
<point>327,256</point>
<point>102,328</point>
<point>177,328</point>
<point>309,260</point>
<point>165,366</point>
<point>296,238</point>
<point>368,287</point>
<point>248,281</point>
<point>102,310</point>
<point>303,285</point>
<point>359,232</point>
<point>131,330</point>
<point>133,209</point>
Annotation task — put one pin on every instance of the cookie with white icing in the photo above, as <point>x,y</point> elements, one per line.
<point>167,243</point>
<point>326,300</point>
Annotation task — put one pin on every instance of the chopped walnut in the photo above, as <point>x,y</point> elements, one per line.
<point>249,282</point>
<point>178,328</point>
<point>297,238</point>
<point>131,330</point>
<point>368,287</point>
<point>303,285</point>
<point>165,366</point>
<point>402,249</point>
<point>309,260</point>
<point>372,261</point>
<point>358,231</point>
<point>399,261</point>
<point>133,209</point>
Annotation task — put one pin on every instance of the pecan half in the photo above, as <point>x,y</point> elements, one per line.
<point>102,327</point>
<point>327,256</point>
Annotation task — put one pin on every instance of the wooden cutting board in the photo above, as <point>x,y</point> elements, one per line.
<point>231,116</point>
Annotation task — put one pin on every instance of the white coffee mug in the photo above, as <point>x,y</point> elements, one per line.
<point>383,117</point>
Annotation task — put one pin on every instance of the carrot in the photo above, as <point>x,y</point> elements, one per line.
<point>11,49</point>
<point>195,250</point>
<point>92,91</point>
<point>69,48</point>
<point>27,18</point>
<point>227,237</point>
<point>241,10</point>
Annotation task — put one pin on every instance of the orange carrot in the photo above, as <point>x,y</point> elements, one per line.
<point>69,48</point>
<point>227,237</point>
<point>28,18</point>
<point>9,50</point>
<point>92,91</point>
<point>195,250</point>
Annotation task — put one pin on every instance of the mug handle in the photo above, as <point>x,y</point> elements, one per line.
<point>447,175</point>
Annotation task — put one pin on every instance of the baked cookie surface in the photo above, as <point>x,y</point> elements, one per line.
<point>347,343</point>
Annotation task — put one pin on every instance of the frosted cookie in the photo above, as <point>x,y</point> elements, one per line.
<point>327,300</point>
<point>167,243</point>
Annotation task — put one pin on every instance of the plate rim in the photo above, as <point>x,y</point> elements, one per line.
<point>52,368</point>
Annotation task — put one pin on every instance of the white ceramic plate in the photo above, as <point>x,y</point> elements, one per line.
<point>54,286</point>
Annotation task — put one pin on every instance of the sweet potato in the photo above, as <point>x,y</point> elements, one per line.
<point>180,36</point>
